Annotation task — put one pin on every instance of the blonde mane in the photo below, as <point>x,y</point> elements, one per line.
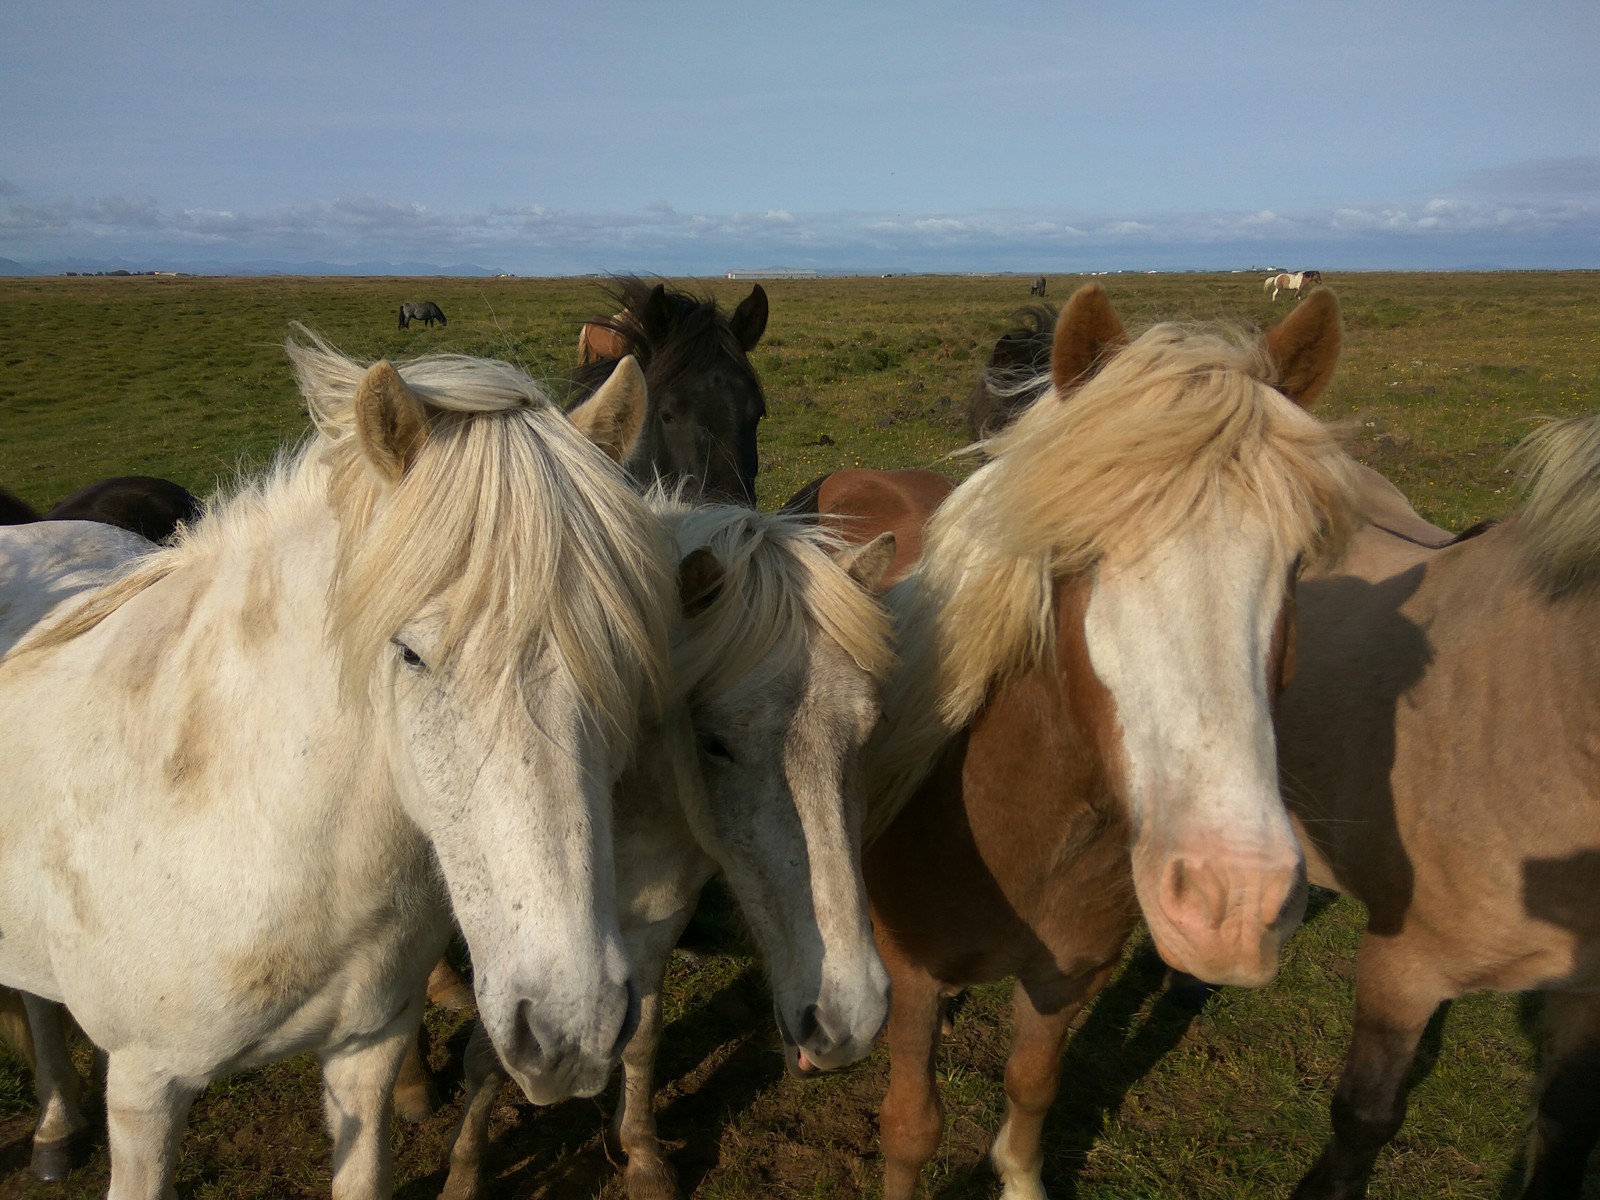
<point>506,517</point>
<point>1183,422</point>
<point>780,587</point>
<point>1558,530</point>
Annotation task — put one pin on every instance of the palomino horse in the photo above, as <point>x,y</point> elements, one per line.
<point>250,776</point>
<point>705,400</point>
<point>1080,729</point>
<point>1437,748</point>
<point>427,312</point>
<point>777,659</point>
<point>1297,280</point>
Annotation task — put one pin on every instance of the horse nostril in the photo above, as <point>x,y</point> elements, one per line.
<point>630,1022</point>
<point>809,1026</point>
<point>526,1049</point>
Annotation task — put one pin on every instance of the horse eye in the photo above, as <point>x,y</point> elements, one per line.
<point>667,418</point>
<point>409,656</point>
<point>713,747</point>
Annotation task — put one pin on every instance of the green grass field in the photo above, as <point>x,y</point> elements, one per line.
<point>1442,374</point>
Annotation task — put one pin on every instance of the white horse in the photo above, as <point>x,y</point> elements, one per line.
<point>777,658</point>
<point>1286,281</point>
<point>249,777</point>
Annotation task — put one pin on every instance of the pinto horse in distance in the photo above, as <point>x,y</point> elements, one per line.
<point>1296,281</point>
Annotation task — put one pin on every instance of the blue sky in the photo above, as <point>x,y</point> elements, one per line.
<point>689,137</point>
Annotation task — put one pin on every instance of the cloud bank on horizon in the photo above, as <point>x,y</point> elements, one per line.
<point>697,137</point>
<point>1540,228</point>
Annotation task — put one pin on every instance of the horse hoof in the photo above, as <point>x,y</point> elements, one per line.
<point>54,1160</point>
<point>651,1181</point>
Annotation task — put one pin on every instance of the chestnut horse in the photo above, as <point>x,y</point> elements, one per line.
<point>1438,747</point>
<point>705,400</point>
<point>1080,728</point>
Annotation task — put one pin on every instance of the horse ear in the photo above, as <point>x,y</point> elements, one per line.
<point>654,316</point>
<point>1305,346</point>
<point>700,580</point>
<point>867,564</point>
<point>391,421</point>
<point>749,320</point>
<point>613,417</point>
<point>1087,330</point>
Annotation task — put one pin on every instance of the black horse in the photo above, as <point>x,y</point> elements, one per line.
<point>148,506</point>
<point>1017,371</point>
<point>705,399</point>
<point>427,312</point>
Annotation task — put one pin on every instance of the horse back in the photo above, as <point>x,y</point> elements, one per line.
<point>860,504</point>
<point>1440,736</point>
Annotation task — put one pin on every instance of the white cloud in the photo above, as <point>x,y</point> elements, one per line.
<point>537,238</point>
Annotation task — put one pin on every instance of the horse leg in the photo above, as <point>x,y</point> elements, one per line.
<point>358,1081</point>
<point>447,989</point>
<point>1041,1021</point>
<point>58,1089</point>
<point>910,1120</point>
<point>485,1077</point>
<point>415,1097</point>
<point>648,1175</point>
<point>1394,1001</point>
<point>1567,1124</point>
<point>145,1110</point>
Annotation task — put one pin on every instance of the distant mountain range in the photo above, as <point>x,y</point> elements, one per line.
<point>10,266</point>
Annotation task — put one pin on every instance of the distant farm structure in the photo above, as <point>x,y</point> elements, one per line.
<point>774,273</point>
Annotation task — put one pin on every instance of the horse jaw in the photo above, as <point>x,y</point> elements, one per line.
<point>1181,639</point>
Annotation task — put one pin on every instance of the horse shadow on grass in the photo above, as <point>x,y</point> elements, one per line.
<point>714,1060</point>
<point>1111,1049</point>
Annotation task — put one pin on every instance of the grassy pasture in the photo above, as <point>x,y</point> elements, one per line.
<point>1442,374</point>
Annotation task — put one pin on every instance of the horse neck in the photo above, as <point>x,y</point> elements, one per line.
<point>244,612</point>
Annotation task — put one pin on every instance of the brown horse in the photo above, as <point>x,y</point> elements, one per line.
<point>898,502</point>
<point>1438,748</point>
<point>1080,727</point>
<point>602,340</point>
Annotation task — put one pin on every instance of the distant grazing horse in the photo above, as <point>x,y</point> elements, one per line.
<point>1438,748</point>
<point>427,312</point>
<point>250,778</point>
<point>705,400</point>
<point>777,660</point>
<point>1080,726</point>
<point>1036,288</point>
<point>1298,281</point>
